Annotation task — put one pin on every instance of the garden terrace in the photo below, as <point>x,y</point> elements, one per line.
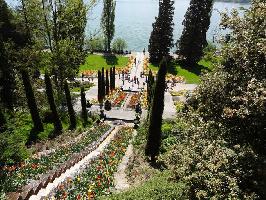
<point>97,178</point>
<point>14,177</point>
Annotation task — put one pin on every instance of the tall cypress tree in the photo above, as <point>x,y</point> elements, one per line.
<point>107,85</point>
<point>161,39</point>
<point>50,96</point>
<point>154,132</point>
<point>83,105</point>
<point>38,126</point>
<point>103,85</point>
<point>113,79</point>
<point>196,24</point>
<point>150,88</point>
<point>107,22</point>
<point>71,112</point>
<point>99,86</point>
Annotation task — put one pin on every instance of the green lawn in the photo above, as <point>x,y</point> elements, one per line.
<point>87,87</point>
<point>158,187</point>
<point>96,62</point>
<point>192,75</point>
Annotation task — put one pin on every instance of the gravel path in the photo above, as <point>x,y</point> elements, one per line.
<point>120,177</point>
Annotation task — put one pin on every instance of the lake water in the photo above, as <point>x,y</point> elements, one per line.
<point>134,19</point>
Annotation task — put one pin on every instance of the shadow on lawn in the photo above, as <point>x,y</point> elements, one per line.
<point>196,69</point>
<point>110,59</point>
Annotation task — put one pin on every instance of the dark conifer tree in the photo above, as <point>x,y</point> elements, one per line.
<point>150,88</point>
<point>8,32</point>
<point>103,84</point>
<point>107,85</point>
<point>100,86</point>
<point>196,24</point>
<point>2,120</point>
<point>71,112</point>
<point>161,39</point>
<point>38,126</point>
<point>50,96</point>
<point>113,81</point>
<point>83,105</point>
<point>107,22</point>
<point>154,132</point>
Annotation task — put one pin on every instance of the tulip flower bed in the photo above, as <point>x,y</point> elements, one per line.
<point>144,101</point>
<point>134,100</point>
<point>175,79</point>
<point>12,178</point>
<point>119,99</point>
<point>97,179</point>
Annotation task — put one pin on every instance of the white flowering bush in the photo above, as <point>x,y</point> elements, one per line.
<point>235,93</point>
<point>209,167</point>
<point>222,152</point>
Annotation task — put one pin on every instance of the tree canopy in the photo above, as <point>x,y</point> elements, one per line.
<point>161,38</point>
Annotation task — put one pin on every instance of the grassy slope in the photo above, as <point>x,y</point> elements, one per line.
<point>158,187</point>
<point>191,75</point>
<point>96,62</point>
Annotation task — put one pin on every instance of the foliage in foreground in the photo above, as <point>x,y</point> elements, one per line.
<point>207,164</point>
<point>220,154</point>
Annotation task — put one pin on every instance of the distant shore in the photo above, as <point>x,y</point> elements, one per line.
<point>234,1</point>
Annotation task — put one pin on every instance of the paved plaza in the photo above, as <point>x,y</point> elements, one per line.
<point>128,85</point>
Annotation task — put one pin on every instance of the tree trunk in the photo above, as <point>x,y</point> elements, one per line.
<point>50,96</point>
<point>38,126</point>
<point>71,112</point>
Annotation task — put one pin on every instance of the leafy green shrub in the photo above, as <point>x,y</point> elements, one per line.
<point>167,143</point>
<point>12,147</point>
<point>14,138</point>
<point>166,129</point>
<point>119,45</point>
<point>48,128</point>
<point>210,53</point>
<point>209,166</point>
<point>179,106</point>
<point>95,44</point>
